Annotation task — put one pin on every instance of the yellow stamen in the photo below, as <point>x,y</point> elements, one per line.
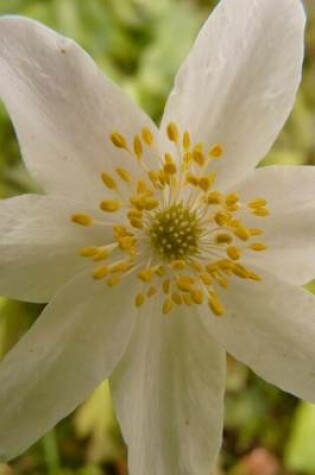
<point>124,174</point>
<point>258,246</point>
<point>119,140</point>
<point>197,296</point>
<point>186,140</point>
<point>100,272</point>
<point>233,252</point>
<point>81,218</point>
<point>113,280</point>
<point>215,305</point>
<point>145,275</point>
<point>110,206</point>
<point>137,146</point>
<point>172,132</point>
<point>185,283</point>
<point>257,203</point>
<point>88,251</point>
<point>167,306</point>
<point>216,151</point>
<point>261,212</point>
<point>140,299</point>
<point>223,238</point>
<point>147,136</point>
<point>109,181</point>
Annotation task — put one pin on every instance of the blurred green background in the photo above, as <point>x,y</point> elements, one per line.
<point>140,44</point>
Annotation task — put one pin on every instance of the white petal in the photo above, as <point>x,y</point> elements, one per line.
<point>289,231</point>
<point>63,108</point>
<point>168,393</point>
<point>239,82</point>
<point>73,346</point>
<point>39,245</point>
<point>270,326</point>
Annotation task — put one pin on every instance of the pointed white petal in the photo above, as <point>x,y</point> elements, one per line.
<point>289,231</point>
<point>168,393</point>
<point>238,84</point>
<point>63,108</point>
<point>39,245</point>
<point>73,346</point>
<point>270,326</point>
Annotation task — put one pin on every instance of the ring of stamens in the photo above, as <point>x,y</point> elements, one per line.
<point>184,245</point>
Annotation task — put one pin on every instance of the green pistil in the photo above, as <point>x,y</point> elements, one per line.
<point>175,232</point>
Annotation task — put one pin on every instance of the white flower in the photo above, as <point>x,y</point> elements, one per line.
<point>174,217</point>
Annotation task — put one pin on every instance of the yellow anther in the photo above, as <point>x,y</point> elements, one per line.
<point>134,213</point>
<point>223,238</point>
<point>119,140</point>
<point>197,296</point>
<point>109,181</point>
<point>154,177</point>
<point>205,183</point>
<point>140,299</point>
<point>88,251</point>
<point>151,291</point>
<point>187,157</point>
<point>222,282</point>
<point>185,283</point>
<point>167,306</point>
<point>261,212</point>
<point>197,266</point>
<point>225,265</point>
<point>136,223</point>
<point>186,140</point>
<point>177,298</point>
<point>124,174</point>
<point>254,276</point>
<point>258,246</point>
<point>119,266</point>
<point>113,280</point>
<point>170,168</point>
<point>147,136</point>
<point>214,197</point>
<point>222,218</point>
<point>120,230</point>
<point>215,305</point>
<point>110,206</point>
<point>100,272</point>
<point>150,203</point>
<point>257,203</point>
<point>166,285</point>
<point>232,199</point>
<point>81,218</point>
<point>255,231</point>
<point>178,264</point>
<point>137,146</point>
<point>101,254</point>
<point>192,179</point>
<point>242,233</point>
<point>206,279</point>
<point>198,157</point>
<point>127,243</point>
<point>233,252</point>
<point>216,151</point>
<point>145,275</point>
<point>240,271</point>
<point>141,186</point>
<point>172,132</point>
<point>159,270</point>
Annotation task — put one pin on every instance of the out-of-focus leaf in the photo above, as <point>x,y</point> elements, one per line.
<point>300,450</point>
<point>95,420</point>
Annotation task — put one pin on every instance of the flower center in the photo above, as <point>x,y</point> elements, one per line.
<point>179,236</point>
<point>175,232</point>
